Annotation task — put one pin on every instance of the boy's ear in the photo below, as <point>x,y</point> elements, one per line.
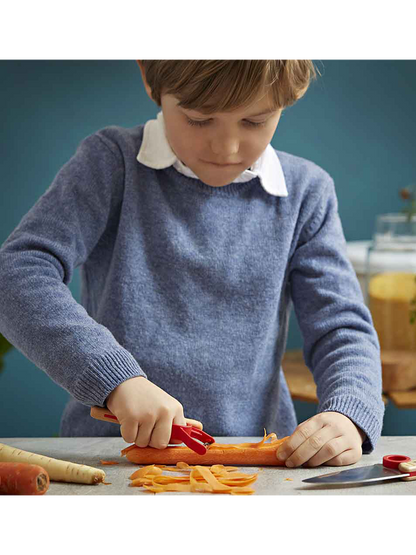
<point>146,84</point>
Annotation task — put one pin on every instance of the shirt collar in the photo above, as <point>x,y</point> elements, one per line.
<point>155,152</point>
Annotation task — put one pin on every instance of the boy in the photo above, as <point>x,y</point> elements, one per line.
<point>194,236</point>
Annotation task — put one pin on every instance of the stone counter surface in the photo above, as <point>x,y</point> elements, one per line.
<point>271,483</point>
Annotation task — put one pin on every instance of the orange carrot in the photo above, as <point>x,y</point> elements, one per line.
<point>242,454</point>
<point>23,479</point>
<point>109,462</point>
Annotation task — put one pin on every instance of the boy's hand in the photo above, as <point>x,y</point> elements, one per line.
<point>146,413</point>
<point>328,438</point>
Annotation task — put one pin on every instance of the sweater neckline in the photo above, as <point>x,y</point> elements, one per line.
<point>231,190</point>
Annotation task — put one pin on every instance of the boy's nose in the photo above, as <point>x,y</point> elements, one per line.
<point>226,146</point>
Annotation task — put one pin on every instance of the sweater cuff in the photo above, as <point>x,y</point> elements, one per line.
<point>103,375</point>
<point>356,410</point>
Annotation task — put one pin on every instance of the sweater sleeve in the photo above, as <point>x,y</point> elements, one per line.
<point>340,343</point>
<point>38,314</point>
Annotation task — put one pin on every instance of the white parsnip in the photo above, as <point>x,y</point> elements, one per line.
<point>59,471</point>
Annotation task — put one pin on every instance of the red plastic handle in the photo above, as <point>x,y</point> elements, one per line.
<point>393,461</point>
<point>186,434</point>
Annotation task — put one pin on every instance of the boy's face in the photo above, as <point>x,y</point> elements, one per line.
<point>219,147</point>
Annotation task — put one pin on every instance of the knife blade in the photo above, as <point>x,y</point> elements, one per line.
<point>372,473</point>
<point>393,467</point>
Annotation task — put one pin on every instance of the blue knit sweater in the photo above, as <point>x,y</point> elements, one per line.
<point>190,286</point>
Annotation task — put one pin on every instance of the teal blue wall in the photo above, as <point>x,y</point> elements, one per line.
<point>358,121</point>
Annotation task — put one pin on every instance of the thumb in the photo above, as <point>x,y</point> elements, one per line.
<point>195,423</point>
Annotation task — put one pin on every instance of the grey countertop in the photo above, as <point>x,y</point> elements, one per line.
<point>270,481</point>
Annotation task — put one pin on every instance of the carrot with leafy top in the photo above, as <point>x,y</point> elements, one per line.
<point>23,479</point>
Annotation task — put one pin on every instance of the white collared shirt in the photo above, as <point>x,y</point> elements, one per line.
<point>155,152</point>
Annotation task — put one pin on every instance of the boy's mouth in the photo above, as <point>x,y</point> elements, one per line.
<point>222,165</point>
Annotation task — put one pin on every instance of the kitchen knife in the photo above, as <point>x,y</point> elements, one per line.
<point>393,467</point>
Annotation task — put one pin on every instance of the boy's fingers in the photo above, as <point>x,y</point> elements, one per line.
<point>302,433</point>
<point>332,449</point>
<point>349,456</point>
<point>128,430</point>
<point>161,433</point>
<point>154,435</point>
<point>319,449</point>
<point>144,434</point>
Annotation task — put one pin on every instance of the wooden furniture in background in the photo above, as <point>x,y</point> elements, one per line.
<point>399,370</point>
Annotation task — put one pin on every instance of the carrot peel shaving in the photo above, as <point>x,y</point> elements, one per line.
<point>197,479</point>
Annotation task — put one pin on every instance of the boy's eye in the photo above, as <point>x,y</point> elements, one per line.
<point>197,122</point>
<point>201,123</point>
<point>255,123</point>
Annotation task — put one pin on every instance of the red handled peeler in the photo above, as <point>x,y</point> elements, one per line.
<point>187,434</point>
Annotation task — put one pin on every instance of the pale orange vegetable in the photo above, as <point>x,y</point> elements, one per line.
<point>262,453</point>
<point>58,470</point>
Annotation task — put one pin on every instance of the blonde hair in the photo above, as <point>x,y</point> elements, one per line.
<point>224,85</point>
